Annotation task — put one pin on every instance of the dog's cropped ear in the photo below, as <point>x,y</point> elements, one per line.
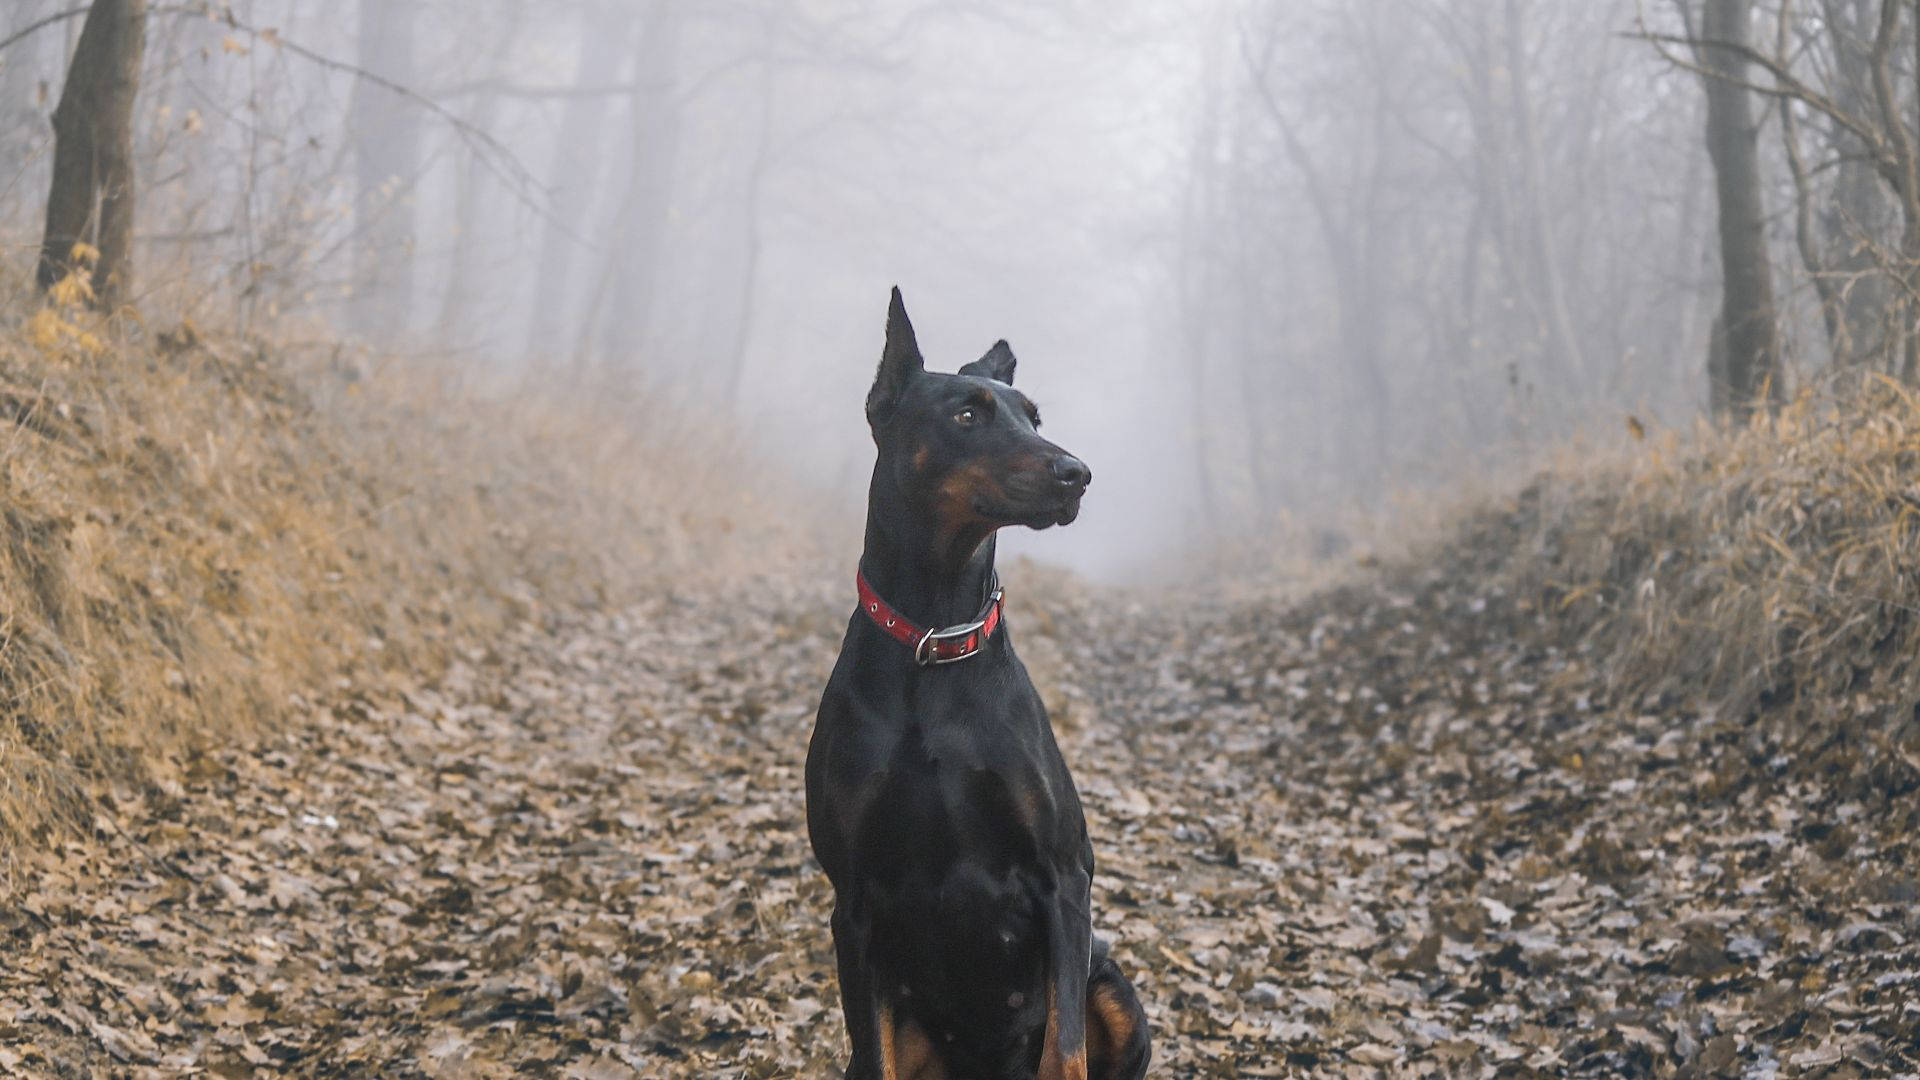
<point>996,365</point>
<point>899,363</point>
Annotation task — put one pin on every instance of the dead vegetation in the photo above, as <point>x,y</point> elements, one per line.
<point>1617,780</point>
<point>199,530</point>
<point>1405,827</point>
<point>1771,573</point>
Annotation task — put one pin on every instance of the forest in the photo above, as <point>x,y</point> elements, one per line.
<point>432,469</point>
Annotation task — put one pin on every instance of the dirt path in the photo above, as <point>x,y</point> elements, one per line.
<point>1375,835</point>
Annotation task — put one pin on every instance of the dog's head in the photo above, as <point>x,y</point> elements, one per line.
<point>966,447</point>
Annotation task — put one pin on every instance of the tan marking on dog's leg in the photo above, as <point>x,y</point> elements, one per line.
<point>883,1028</point>
<point>1050,1043</point>
<point>1054,1064</point>
<point>1109,1025</point>
<point>917,1058</point>
<point>906,1053</point>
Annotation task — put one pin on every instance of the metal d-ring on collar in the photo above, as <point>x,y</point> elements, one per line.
<point>928,645</point>
<point>927,656</point>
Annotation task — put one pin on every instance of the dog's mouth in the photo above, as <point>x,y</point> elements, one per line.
<point>1036,514</point>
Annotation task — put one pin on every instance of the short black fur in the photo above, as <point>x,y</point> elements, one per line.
<point>937,800</point>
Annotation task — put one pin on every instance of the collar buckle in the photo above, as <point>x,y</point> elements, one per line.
<point>935,646</point>
<point>928,653</point>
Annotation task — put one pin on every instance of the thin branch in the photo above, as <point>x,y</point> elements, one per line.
<point>1296,150</point>
<point>1803,236</point>
<point>535,93</point>
<point>41,24</point>
<point>494,156</point>
<point>1906,163</point>
<point>1786,84</point>
<point>73,13</point>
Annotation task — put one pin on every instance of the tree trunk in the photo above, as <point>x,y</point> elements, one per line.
<point>1194,294</point>
<point>753,242</point>
<point>386,137</point>
<point>1859,207</point>
<point>471,187</point>
<point>1825,286</point>
<point>1752,353</point>
<point>624,303</point>
<point>1903,144</point>
<point>1692,240</point>
<point>1542,247</point>
<point>92,197</point>
<point>1461,350</point>
<point>1719,393</point>
<point>1363,289</point>
<point>1507,199</point>
<point>606,40</point>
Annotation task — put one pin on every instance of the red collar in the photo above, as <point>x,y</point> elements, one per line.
<point>943,645</point>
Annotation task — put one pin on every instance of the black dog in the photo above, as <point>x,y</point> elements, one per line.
<point>937,800</point>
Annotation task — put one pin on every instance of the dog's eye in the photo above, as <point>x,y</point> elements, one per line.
<point>967,417</point>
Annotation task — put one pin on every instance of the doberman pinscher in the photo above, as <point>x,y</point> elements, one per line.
<point>937,800</point>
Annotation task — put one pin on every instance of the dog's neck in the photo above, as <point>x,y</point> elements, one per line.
<point>910,565</point>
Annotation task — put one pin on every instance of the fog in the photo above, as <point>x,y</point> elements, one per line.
<point>1266,265</point>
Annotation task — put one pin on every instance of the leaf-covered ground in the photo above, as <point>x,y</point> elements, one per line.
<point>1381,831</point>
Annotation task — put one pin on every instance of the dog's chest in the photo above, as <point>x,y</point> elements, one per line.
<point>943,789</point>
<point>951,770</point>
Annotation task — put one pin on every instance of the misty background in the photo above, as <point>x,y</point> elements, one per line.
<point>1265,265</point>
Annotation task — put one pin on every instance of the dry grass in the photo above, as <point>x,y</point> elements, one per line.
<point>198,534</point>
<point>1770,570</point>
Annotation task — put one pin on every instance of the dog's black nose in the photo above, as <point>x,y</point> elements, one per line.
<point>1071,471</point>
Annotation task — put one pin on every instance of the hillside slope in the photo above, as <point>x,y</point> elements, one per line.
<point>203,535</point>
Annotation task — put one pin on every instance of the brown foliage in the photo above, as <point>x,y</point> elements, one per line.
<point>1774,566</point>
<point>198,533</point>
<point>1553,798</point>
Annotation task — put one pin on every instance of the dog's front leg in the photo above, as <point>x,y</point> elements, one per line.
<point>1063,1054</point>
<point>1117,1041</point>
<point>856,991</point>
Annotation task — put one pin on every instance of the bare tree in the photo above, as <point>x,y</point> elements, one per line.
<point>1844,66</point>
<point>1836,231</point>
<point>386,165</point>
<point>1355,231</point>
<point>470,186</point>
<point>1857,208</point>
<point>92,196</point>
<point>1744,366</point>
<point>622,308</point>
<point>1495,75</point>
<point>606,43</point>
